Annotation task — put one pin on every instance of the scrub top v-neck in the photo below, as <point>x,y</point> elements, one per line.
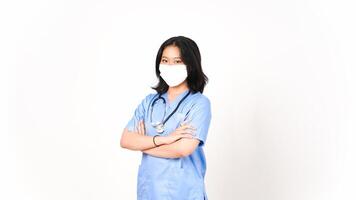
<point>174,178</point>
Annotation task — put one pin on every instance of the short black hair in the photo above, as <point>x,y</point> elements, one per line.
<point>190,55</point>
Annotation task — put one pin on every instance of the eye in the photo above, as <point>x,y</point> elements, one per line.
<point>178,61</point>
<point>163,60</point>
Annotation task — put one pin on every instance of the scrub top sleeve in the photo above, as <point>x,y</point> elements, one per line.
<point>199,117</point>
<point>138,114</point>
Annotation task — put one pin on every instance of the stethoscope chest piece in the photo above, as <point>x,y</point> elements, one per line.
<point>159,127</point>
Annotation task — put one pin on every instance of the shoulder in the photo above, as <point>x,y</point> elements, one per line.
<point>200,100</point>
<point>149,97</point>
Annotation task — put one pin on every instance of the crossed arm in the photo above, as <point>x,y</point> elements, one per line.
<point>180,148</point>
<point>175,146</point>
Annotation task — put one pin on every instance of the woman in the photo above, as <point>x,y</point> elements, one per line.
<point>171,126</point>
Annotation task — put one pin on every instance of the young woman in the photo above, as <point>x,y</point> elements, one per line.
<point>170,126</point>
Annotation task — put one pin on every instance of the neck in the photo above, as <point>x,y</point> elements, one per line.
<point>173,91</point>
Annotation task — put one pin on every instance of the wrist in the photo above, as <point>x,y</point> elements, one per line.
<point>159,140</point>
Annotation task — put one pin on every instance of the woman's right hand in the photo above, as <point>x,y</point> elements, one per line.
<point>184,131</point>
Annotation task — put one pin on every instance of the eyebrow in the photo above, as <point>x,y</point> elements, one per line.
<point>167,57</point>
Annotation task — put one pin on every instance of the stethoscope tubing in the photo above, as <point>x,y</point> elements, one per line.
<point>164,101</point>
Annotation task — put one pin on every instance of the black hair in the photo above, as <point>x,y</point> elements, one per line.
<point>190,55</point>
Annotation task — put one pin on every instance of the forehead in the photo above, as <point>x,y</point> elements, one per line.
<point>171,52</point>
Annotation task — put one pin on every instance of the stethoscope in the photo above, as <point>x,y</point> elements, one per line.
<point>159,126</point>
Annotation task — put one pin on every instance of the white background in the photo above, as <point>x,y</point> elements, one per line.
<point>282,76</point>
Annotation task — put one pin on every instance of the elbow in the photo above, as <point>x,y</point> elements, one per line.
<point>178,154</point>
<point>122,144</point>
<point>126,145</point>
<point>123,141</point>
<point>126,142</point>
<point>183,152</point>
<point>187,147</point>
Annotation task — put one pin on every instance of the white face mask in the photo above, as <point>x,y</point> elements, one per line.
<point>173,75</point>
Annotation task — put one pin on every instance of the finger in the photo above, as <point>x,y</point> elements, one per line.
<point>139,128</point>
<point>143,128</point>
<point>135,127</point>
<point>186,135</point>
<point>186,121</point>
<point>191,129</point>
<point>177,132</point>
<point>187,131</point>
<point>182,127</point>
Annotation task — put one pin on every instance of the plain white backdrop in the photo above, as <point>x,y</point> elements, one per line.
<point>282,88</point>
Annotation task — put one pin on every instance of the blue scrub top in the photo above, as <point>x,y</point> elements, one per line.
<point>174,178</point>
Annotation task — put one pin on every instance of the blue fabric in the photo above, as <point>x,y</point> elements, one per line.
<point>174,178</point>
